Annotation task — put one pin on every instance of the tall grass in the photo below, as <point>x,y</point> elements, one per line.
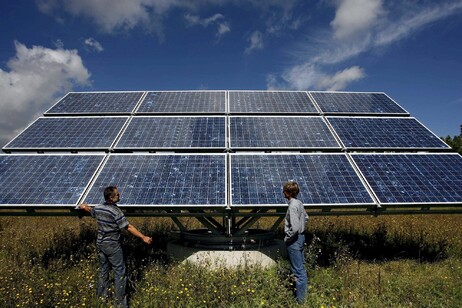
<point>396,261</point>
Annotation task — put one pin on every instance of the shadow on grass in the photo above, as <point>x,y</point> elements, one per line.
<point>70,247</point>
<point>325,248</point>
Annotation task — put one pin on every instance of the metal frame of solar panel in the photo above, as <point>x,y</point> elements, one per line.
<point>163,180</point>
<point>384,133</point>
<point>45,181</point>
<point>413,179</point>
<point>177,102</point>
<point>356,103</point>
<point>271,102</point>
<point>192,133</point>
<point>281,132</point>
<point>87,133</point>
<point>97,103</point>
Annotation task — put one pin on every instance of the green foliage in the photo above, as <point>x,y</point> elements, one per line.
<point>454,142</point>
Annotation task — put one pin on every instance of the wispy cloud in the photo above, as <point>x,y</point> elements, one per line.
<point>216,20</point>
<point>93,44</point>
<point>113,16</point>
<point>255,42</point>
<point>359,26</point>
<point>36,77</point>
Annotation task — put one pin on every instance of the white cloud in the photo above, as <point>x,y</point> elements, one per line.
<point>365,34</point>
<point>94,44</point>
<point>37,76</point>
<point>308,76</point>
<point>354,17</point>
<point>341,79</point>
<point>256,42</point>
<point>109,15</point>
<point>414,21</point>
<point>215,20</point>
<point>112,16</point>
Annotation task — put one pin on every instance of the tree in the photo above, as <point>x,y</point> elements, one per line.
<point>454,142</point>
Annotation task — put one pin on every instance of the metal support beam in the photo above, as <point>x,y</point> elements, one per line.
<point>248,224</point>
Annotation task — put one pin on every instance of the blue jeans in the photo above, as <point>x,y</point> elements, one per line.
<point>111,255</point>
<point>295,250</point>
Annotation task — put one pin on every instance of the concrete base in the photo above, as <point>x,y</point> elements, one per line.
<point>263,257</point>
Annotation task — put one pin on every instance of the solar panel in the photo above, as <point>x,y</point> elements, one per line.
<point>164,180</point>
<point>45,179</point>
<point>208,102</point>
<point>413,178</point>
<point>280,132</point>
<point>356,103</point>
<point>174,132</point>
<point>69,133</point>
<point>270,102</point>
<point>96,103</point>
<point>325,179</point>
<point>361,132</point>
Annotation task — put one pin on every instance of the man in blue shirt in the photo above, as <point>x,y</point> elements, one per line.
<point>294,228</point>
<point>111,220</point>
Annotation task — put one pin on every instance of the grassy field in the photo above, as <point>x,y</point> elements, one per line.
<point>393,261</point>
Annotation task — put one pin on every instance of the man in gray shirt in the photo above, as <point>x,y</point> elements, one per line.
<point>294,227</point>
<point>111,220</point>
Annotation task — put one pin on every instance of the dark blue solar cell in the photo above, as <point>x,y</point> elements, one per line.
<point>325,179</point>
<point>174,132</point>
<point>69,133</point>
<point>45,179</point>
<point>270,102</point>
<point>153,179</point>
<point>184,102</point>
<point>413,178</point>
<point>361,103</point>
<point>97,103</point>
<point>359,132</point>
<point>280,132</point>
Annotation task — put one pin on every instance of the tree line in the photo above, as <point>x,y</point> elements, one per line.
<point>454,142</point>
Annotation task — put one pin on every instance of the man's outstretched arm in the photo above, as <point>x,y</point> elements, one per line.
<point>135,232</point>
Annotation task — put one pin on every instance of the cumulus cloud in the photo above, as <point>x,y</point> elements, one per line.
<point>359,26</point>
<point>36,77</point>
<point>355,17</point>
<point>216,20</point>
<point>94,44</point>
<point>111,15</point>
<point>256,42</point>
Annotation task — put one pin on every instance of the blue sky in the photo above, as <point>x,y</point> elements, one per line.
<point>411,50</point>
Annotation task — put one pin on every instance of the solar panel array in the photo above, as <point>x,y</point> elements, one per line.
<point>385,133</point>
<point>413,178</point>
<point>45,179</point>
<point>69,133</point>
<point>327,179</point>
<point>174,132</point>
<point>270,102</point>
<point>96,103</point>
<point>229,149</point>
<point>148,179</point>
<point>184,102</point>
<point>280,132</point>
<point>356,103</point>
